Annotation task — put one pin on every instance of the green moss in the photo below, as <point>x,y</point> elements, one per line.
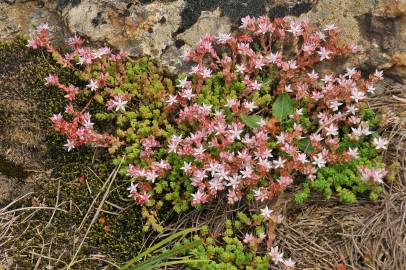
<point>11,169</point>
<point>23,72</point>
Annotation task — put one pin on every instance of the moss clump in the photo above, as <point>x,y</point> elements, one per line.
<point>22,78</point>
<point>12,170</point>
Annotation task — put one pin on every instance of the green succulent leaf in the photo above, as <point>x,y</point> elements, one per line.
<point>251,121</point>
<point>305,146</point>
<point>282,107</point>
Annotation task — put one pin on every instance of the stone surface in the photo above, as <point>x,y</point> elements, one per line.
<point>390,8</point>
<point>209,22</point>
<point>139,29</point>
<point>164,28</point>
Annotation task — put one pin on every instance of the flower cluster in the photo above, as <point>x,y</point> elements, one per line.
<point>110,80</point>
<point>79,131</point>
<point>256,114</point>
<point>237,146</point>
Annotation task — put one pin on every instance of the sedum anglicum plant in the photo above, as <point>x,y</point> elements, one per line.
<point>254,116</point>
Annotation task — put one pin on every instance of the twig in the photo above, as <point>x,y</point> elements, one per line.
<point>110,181</point>
<point>33,207</point>
<point>56,203</point>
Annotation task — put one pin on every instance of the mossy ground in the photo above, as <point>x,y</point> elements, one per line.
<point>74,179</point>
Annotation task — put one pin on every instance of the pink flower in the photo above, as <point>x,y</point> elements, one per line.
<point>171,100</point>
<point>102,51</point>
<point>151,176</point>
<point>34,43</point>
<point>279,163</point>
<point>233,181</point>
<point>206,73</point>
<point>69,109</point>
<point>71,92</point>
<point>240,68</point>
<point>247,22</point>
<point>184,83</point>
<point>357,95</point>
<point>235,130</point>
<point>378,74</point>
<point>302,158</point>
<point>316,95</point>
<point>199,197</point>
<point>274,58</point>
<point>93,85</point>
<point>266,213</point>
<point>370,88</point>
<point>187,94</point>
<point>354,120</point>
<point>350,72</point>
<point>118,103</point>
<point>135,171</point>
<point>264,27</point>
<point>315,138</point>
<point>132,188</point>
<point>319,160</point>
<point>70,144</point>
<point>187,167</point>
<point>356,133</point>
<point>332,130</point>
<point>296,28</point>
<point>76,41</point>
<point>353,153</point>
<point>163,164</point>
<point>289,263</point>
<point>261,194</point>
<point>142,198</point>
<point>52,79</point>
<point>313,75</point>
<point>249,238</point>
<point>380,143</point>
<point>247,172</point>
<point>334,105</point>
<point>276,256</point>
<point>285,180</point>
<point>281,138</point>
<point>352,109</point>
<point>266,164</point>
<point>324,54</point>
<point>255,85</point>
<point>216,184</point>
<point>56,118</point>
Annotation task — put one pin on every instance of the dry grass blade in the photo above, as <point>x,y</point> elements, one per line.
<point>109,182</point>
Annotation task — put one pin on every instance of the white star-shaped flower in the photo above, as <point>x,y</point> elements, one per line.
<point>93,85</point>
<point>120,103</point>
<point>324,54</point>
<point>266,213</point>
<point>380,143</point>
<point>70,144</point>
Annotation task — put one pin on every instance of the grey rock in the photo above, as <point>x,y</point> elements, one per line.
<point>162,29</point>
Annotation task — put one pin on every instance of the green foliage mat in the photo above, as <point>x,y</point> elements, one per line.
<point>75,180</point>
